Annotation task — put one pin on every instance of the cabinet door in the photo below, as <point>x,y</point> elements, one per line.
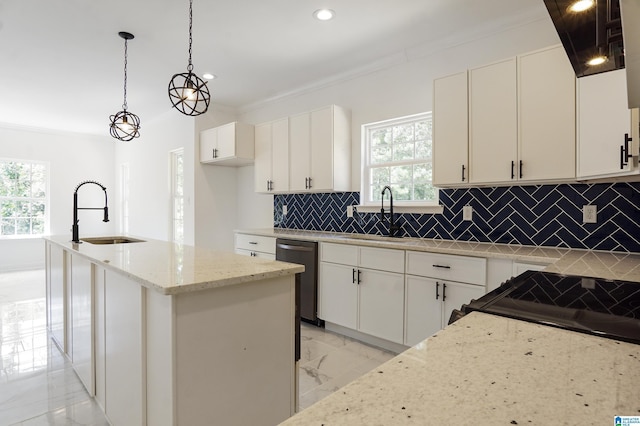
<point>208,143</point>
<point>280,155</point>
<point>603,120</point>
<point>82,321</point>
<point>546,109</point>
<point>123,350</point>
<point>226,146</point>
<point>58,302</point>
<point>300,150</point>
<point>321,150</point>
<point>423,309</point>
<point>338,293</point>
<point>454,295</point>
<point>381,307</point>
<point>493,130</point>
<point>450,130</point>
<point>262,161</point>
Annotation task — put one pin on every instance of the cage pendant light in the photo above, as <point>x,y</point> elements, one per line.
<point>188,93</point>
<point>125,125</point>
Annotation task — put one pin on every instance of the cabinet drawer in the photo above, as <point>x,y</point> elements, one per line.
<point>252,253</point>
<point>464,269</point>
<point>382,259</point>
<point>256,243</point>
<point>344,254</point>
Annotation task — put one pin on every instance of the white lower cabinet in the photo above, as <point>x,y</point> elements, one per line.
<point>354,295</point>
<point>82,326</point>
<point>57,303</point>
<point>434,290</point>
<point>430,303</point>
<point>255,246</point>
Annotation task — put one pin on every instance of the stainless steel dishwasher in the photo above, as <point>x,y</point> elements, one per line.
<point>304,253</point>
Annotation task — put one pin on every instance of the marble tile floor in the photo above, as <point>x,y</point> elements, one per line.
<point>39,387</point>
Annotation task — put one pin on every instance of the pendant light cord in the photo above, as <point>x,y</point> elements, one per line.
<point>124,105</point>
<point>190,67</point>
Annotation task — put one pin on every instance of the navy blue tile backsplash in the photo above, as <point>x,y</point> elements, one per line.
<point>541,215</point>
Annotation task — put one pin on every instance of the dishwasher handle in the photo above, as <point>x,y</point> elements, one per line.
<point>294,247</point>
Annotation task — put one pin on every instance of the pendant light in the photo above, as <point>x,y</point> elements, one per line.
<point>125,125</point>
<point>188,92</point>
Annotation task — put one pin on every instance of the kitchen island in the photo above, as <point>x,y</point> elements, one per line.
<point>490,370</point>
<point>166,334</point>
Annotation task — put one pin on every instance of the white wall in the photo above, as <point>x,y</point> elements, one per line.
<point>148,158</point>
<point>72,158</point>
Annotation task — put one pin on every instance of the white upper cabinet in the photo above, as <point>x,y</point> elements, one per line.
<point>493,123</point>
<point>320,150</point>
<point>604,122</point>
<point>272,156</point>
<point>546,116</point>
<point>228,145</point>
<point>450,130</point>
<point>521,122</point>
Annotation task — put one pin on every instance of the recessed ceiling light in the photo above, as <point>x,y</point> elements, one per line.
<point>581,5</point>
<point>598,60</point>
<point>209,76</point>
<point>324,14</point>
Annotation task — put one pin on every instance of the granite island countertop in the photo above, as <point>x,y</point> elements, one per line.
<point>490,370</point>
<point>598,264</point>
<point>171,268</point>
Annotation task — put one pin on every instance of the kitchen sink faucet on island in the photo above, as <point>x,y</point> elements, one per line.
<point>74,228</point>
<point>393,227</point>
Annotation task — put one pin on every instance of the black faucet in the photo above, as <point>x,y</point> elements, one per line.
<point>393,228</point>
<point>74,228</point>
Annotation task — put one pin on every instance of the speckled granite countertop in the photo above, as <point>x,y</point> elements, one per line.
<point>608,265</point>
<point>171,268</point>
<point>489,370</point>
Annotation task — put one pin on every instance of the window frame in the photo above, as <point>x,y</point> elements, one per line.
<point>366,201</point>
<point>46,199</point>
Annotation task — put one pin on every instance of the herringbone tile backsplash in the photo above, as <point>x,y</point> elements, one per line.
<point>542,215</point>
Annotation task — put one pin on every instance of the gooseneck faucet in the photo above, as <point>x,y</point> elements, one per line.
<point>74,228</point>
<point>393,228</point>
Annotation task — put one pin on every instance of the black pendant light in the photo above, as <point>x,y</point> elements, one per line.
<point>188,92</point>
<point>125,125</point>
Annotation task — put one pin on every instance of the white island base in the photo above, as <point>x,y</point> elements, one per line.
<point>213,353</point>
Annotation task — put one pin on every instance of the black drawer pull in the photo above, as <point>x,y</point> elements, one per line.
<point>513,164</point>
<point>463,172</point>
<point>359,272</point>
<point>353,276</point>
<point>520,169</point>
<point>253,242</point>
<point>441,266</point>
<point>444,292</point>
<point>437,288</point>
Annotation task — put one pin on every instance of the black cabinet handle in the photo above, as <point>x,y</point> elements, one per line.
<point>463,172</point>
<point>444,292</point>
<point>306,183</point>
<point>359,272</point>
<point>253,242</point>
<point>441,266</point>
<point>520,169</point>
<point>437,288</point>
<point>353,276</point>
<point>624,151</point>
<point>622,157</point>
<point>309,183</point>
<point>513,164</point>
<point>213,153</point>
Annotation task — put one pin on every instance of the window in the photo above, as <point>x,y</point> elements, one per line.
<point>398,153</point>
<point>24,202</point>
<point>177,195</point>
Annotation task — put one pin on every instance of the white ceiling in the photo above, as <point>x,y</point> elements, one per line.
<point>61,61</point>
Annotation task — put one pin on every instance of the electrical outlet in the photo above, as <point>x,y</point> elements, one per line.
<point>589,214</point>
<point>284,209</point>
<point>349,211</point>
<point>467,213</point>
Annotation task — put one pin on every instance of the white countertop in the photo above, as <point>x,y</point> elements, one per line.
<point>171,268</point>
<point>490,370</point>
<point>599,264</point>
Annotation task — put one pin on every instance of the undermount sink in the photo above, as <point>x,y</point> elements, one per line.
<point>368,237</point>
<point>111,240</point>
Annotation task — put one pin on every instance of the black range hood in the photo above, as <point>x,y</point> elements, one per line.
<point>596,31</point>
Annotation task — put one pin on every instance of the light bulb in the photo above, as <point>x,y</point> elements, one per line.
<point>598,60</point>
<point>582,5</point>
<point>126,126</point>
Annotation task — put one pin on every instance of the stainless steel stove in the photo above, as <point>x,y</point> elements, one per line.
<point>608,308</point>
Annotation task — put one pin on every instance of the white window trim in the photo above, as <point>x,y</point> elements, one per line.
<point>47,200</point>
<point>399,206</point>
<point>173,159</point>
